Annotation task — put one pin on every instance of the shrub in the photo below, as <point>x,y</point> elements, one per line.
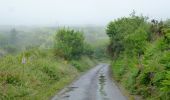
<point>69,43</point>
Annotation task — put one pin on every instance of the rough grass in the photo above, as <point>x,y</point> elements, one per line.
<point>39,78</point>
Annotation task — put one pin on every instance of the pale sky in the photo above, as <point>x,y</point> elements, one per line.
<point>77,12</point>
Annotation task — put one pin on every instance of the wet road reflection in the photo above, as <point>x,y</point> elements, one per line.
<point>101,85</point>
<point>96,84</point>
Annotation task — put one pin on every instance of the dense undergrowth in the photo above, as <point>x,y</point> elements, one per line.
<point>141,56</point>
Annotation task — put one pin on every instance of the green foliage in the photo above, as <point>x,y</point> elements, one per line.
<point>166,86</point>
<point>141,49</point>
<point>88,50</point>
<point>167,34</point>
<point>40,77</point>
<point>135,42</point>
<point>127,33</point>
<point>69,43</point>
<point>43,74</point>
<point>118,69</point>
<point>100,49</point>
<point>83,64</point>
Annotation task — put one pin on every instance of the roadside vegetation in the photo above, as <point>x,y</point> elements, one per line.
<point>140,54</point>
<point>39,71</point>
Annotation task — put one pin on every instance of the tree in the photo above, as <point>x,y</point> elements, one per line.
<point>69,43</point>
<point>127,34</point>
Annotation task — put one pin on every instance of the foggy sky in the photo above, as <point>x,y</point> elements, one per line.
<point>77,12</point>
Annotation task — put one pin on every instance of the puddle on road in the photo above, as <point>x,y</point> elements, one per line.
<point>102,81</point>
<point>71,88</point>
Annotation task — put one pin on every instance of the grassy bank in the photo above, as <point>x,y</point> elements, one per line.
<point>40,77</point>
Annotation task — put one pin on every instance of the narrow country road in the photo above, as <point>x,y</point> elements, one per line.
<point>96,84</point>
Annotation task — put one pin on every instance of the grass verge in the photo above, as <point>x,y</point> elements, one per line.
<point>40,78</point>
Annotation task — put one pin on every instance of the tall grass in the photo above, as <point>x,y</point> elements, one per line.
<point>39,78</point>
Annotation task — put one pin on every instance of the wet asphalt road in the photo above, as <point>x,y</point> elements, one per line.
<point>96,84</point>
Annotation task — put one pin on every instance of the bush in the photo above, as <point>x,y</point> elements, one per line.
<point>128,34</point>
<point>69,43</point>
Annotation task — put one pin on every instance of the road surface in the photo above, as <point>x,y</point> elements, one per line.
<point>96,84</point>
